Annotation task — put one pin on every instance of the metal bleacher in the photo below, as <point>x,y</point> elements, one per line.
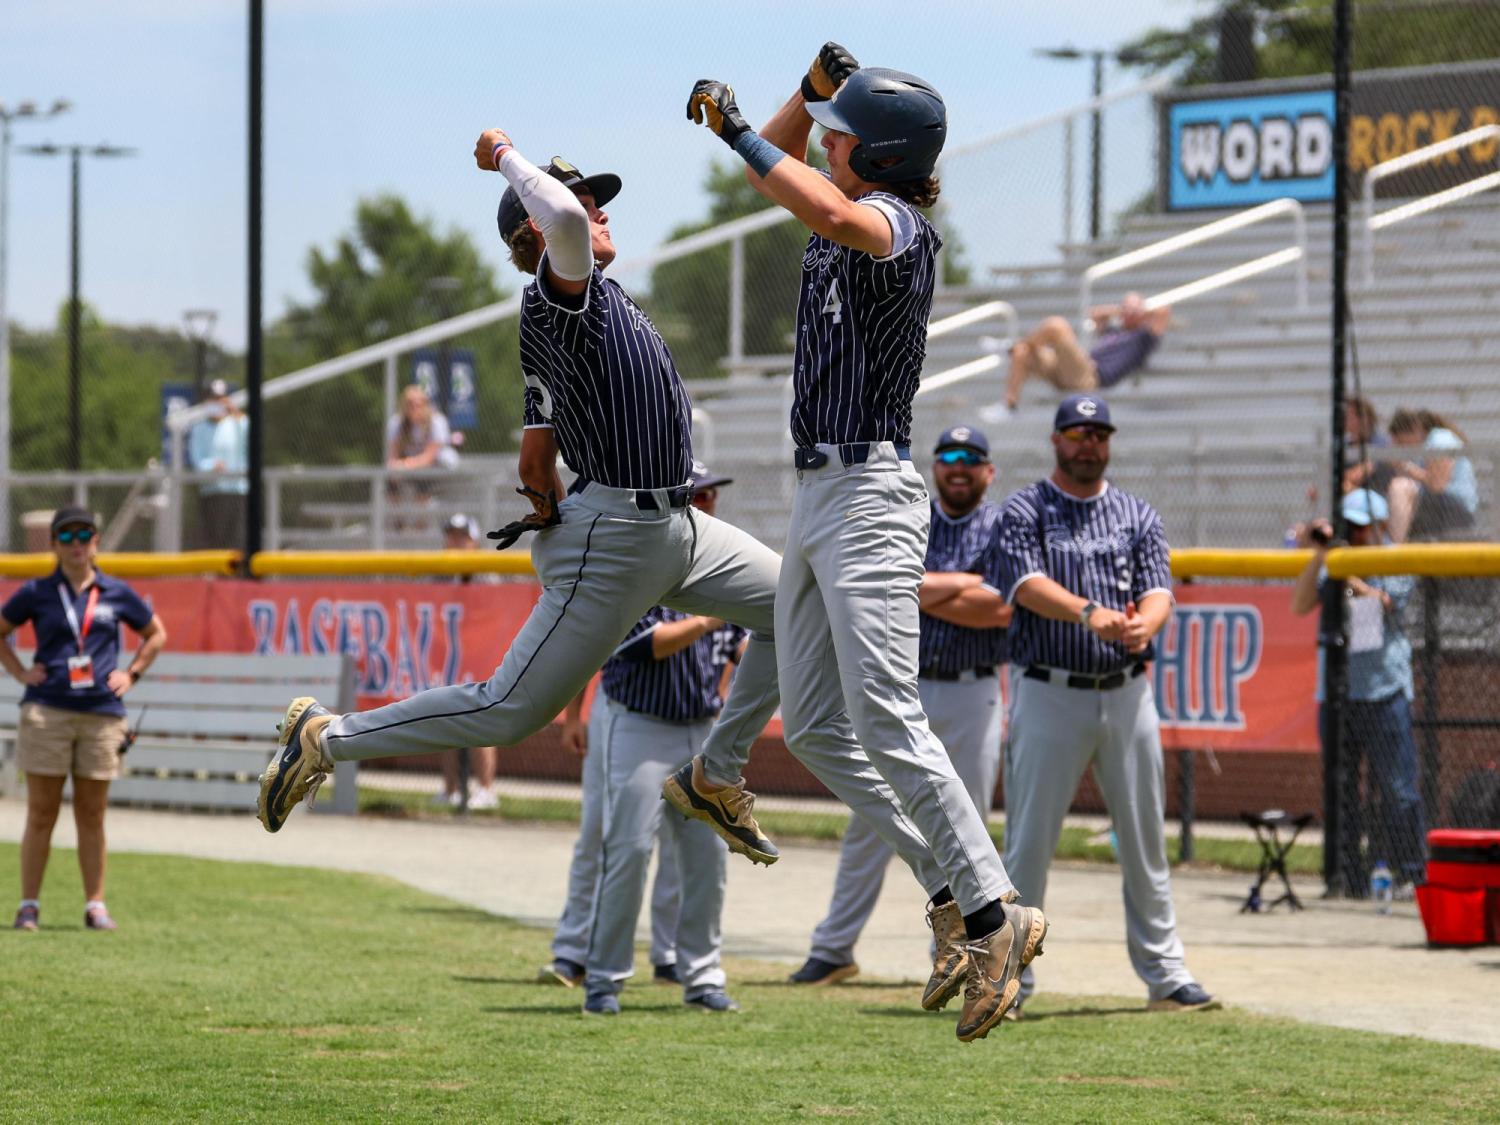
<point>1227,428</point>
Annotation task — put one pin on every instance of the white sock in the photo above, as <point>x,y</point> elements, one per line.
<point>92,903</point>
<point>31,902</point>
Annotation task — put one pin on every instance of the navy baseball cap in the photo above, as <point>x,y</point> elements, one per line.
<point>73,517</point>
<point>603,187</point>
<point>1082,410</point>
<point>704,477</point>
<point>963,437</point>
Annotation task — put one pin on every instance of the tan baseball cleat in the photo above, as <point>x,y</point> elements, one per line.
<point>299,765</point>
<point>950,963</point>
<point>995,964</point>
<point>728,809</point>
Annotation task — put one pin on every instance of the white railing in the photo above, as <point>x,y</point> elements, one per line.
<point>1374,222</point>
<point>1277,208</point>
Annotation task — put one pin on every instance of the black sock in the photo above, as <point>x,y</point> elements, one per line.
<point>984,921</point>
<point>941,897</point>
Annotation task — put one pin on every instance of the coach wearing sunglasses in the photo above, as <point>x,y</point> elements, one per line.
<point>72,717</point>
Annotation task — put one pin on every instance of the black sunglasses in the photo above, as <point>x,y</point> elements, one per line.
<point>83,535</point>
<point>961,457</point>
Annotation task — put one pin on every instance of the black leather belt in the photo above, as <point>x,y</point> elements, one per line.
<point>679,497</point>
<point>978,673</point>
<point>850,453</point>
<point>1086,683</point>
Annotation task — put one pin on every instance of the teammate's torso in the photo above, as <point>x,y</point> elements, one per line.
<point>684,687</point>
<point>603,378</point>
<point>969,545</point>
<point>1109,549</point>
<point>862,335</point>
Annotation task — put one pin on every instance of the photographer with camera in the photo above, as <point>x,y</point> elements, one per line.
<point>1377,711</point>
<point>72,715</point>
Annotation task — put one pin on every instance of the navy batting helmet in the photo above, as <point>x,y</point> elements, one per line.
<point>894,114</point>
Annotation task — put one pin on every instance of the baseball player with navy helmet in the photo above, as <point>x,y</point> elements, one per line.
<point>963,651</point>
<point>1087,568</point>
<point>600,389</point>
<point>847,609</point>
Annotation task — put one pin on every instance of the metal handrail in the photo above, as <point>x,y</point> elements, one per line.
<point>1206,233</point>
<point>1426,203</point>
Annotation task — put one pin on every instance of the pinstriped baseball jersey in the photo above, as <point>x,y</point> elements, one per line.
<point>1110,549</point>
<point>971,544</point>
<point>602,378</point>
<point>684,687</point>
<point>862,332</point>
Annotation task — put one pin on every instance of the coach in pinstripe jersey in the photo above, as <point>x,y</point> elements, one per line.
<point>1087,568</point>
<point>962,653</point>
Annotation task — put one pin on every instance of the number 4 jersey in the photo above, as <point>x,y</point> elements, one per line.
<point>862,331</point>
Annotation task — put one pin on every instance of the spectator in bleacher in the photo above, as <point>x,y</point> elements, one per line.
<point>1361,433</point>
<point>418,437</point>
<point>461,533</point>
<point>221,445</point>
<point>1437,496</point>
<point>1128,334</point>
<point>72,713</point>
<point>1377,714</point>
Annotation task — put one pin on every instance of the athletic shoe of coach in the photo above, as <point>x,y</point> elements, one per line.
<point>995,964</point>
<point>818,973</point>
<point>950,960</point>
<point>727,809</point>
<point>299,765</point>
<point>1191,997</point>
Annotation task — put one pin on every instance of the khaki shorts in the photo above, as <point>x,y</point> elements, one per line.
<point>55,742</point>
<point>1067,367</point>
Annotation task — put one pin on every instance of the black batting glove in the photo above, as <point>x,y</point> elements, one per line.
<point>828,72</point>
<point>712,104</point>
<point>544,516</point>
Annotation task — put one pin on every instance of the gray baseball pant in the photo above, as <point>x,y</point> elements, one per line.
<point>601,569</point>
<point>847,628</point>
<point>967,718</point>
<point>571,939</point>
<point>638,753</point>
<point>1056,732</point>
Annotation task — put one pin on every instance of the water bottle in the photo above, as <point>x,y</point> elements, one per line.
<point>1381,886</point>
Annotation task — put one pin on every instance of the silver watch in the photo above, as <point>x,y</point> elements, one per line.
<point>1086,612</point>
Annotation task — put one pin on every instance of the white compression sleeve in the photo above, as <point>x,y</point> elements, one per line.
<point>564,222</point>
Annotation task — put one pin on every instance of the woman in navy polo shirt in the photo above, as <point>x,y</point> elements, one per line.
<point>72,718</point>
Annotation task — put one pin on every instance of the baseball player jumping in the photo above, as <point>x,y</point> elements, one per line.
<point>1087,568</point>
<point>962,653</point>
<point>847,605</point>
<point>601,389</point>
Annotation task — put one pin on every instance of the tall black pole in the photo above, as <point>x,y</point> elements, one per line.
<point>254,358</point>
<point>1096,147</point>
<point>1333,629</point>
<point>75,328</point>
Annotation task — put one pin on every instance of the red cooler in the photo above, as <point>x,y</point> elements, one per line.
<point>1460,901</point>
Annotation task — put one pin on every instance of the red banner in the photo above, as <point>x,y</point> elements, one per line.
<point>1235,668</point>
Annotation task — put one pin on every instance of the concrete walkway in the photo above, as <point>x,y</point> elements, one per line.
<point>1335,963</point>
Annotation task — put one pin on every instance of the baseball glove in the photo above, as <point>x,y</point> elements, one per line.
<point>545,515</point>
<point>827,73</point>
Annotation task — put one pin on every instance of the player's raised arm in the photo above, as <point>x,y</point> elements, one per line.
<point>557,212</point>
<point>789,127</point>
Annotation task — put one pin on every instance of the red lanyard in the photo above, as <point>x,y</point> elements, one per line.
<point>72,614</point>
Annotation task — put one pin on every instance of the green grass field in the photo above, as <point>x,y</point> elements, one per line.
<point>1076,843</point>
<point>254,993</point>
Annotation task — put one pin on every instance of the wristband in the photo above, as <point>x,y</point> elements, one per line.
<point>757,152</point>
<point>498,152</point>
<point>135,675</point>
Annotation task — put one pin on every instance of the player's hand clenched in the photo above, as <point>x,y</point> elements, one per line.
<point>828,72</point>
<point>712,104</point>
<point>1109,624</point>
<point>484,148</point>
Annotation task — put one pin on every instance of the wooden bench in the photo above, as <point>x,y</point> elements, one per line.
<point>209,728</point>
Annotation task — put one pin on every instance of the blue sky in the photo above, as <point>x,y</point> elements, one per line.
<point>366,96</point>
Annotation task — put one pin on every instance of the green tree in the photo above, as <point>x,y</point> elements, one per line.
<point>392,273</point>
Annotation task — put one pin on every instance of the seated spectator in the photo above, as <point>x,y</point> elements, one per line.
<point>418,436</point>
<point>1362,433</point>
<point>1438,495</point>
<point>1129,333</point>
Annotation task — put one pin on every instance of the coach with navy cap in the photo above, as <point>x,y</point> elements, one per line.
<point>1087,568</point>
<point>961,650</point>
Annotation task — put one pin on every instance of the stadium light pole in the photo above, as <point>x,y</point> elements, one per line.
<point>22,111</point>
<point>1096,119</point>
<point>75,154</point>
